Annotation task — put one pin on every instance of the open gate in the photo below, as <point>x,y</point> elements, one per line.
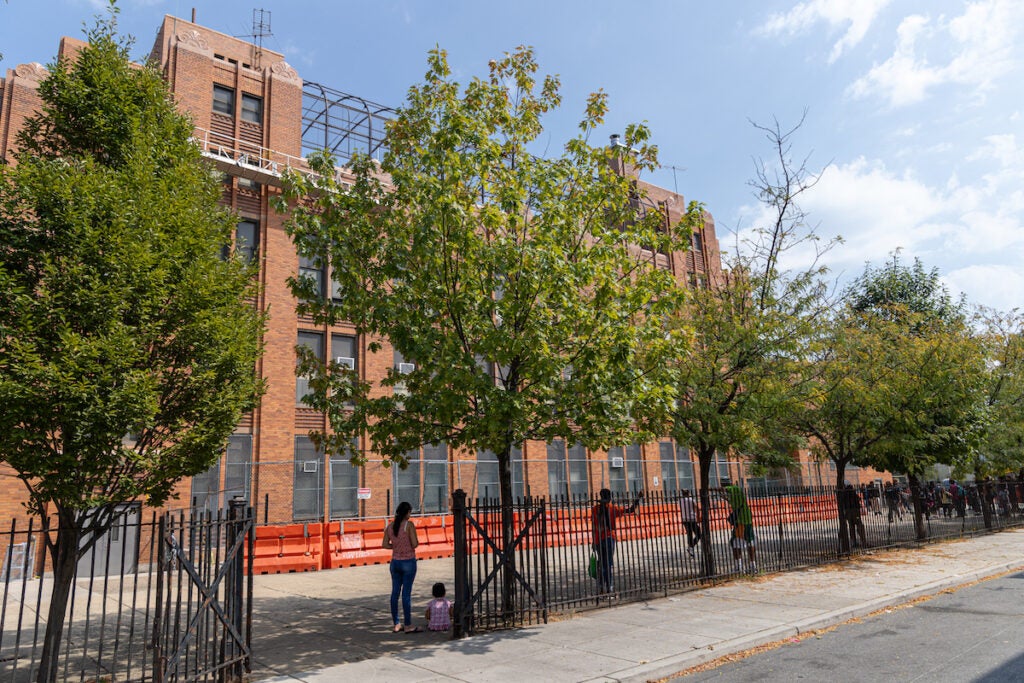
<point>498,584</point>
<point>203,616</point>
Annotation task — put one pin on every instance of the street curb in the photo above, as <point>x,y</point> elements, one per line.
<point>668,666</point>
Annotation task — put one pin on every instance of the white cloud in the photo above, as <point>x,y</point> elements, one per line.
<point>974,50</point>
<point>1003,148</point>
<point>972,232</point>
<point>857,15</point>
<point>997,286</point>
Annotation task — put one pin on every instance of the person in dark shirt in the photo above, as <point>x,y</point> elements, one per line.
<point>603,518</point>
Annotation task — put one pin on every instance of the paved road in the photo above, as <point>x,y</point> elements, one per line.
<point>973,634</point>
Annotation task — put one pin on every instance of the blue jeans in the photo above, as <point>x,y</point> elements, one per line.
<point>402,574</point>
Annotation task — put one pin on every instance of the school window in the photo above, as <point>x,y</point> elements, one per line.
<point>558,479</point>
<point>223,100</point>
<point>719,470</point>
<point>488,483</point>
<point>424,483</point>
<point>344,499</point>
<point>235,464</point>
<point>335,289</point>
<point>667,460</point>
<point>311,274</point>
<point>308,482</point>
<point>247,236</point>
<point>698,242</point>
<point>407,482</point>
<point>579,473</point>
<point>314,341</point>
<point>435,478</point>
<point>344,351</point>
<point>252,108</point>
<point>635,467</point>
<point>206,488</point>
<point>676,467</point>
<point>248,185</point>
<point>616,469</point>
<point>625,468</point>
<point>237,467</point>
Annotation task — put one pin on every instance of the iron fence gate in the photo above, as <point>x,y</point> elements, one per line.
<point>202,625</point>
<point>172,603</point>
<point>500,577</point>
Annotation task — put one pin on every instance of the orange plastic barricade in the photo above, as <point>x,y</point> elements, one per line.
<point>373,539</point>
<point>343,546</point>
<point>434,541</point>
<point>287,548</point>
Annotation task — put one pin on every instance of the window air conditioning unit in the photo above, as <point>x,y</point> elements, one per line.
<point>406,368</point>
<point>617,463</point>
<point>346,362</point>
<point>310,465</point>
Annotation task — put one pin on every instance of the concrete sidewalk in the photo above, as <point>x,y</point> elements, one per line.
<point>633,642</point>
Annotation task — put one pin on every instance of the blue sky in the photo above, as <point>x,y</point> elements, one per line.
<point>914,107</point>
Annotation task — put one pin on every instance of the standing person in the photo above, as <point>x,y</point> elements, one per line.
<point>439,610</point>
<point>742,525</point>
<point>893,500</point>
<point>400,537</point>
<point>854,524</point>
<point>603,518</point>
<point>957,493</point>
<point>876,498</point>
<point>689,516</point>
<point>946,501</point>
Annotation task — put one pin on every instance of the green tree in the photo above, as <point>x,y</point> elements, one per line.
<point>1002,448</point>
<point>738,376</point>
<point>938,415</point>
<point>848,413</point>
<point>128,341</point>
<point>523,288</point>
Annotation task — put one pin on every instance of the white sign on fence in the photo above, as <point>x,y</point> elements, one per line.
<point>363,494</point>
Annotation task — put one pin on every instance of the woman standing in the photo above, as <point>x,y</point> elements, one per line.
<point>400,538</point>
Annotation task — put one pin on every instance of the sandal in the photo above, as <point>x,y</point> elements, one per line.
<point>397,629</point>
<point>414,629</point>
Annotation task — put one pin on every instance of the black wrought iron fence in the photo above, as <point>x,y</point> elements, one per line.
<point>545,566</point>
<point>157,599</point>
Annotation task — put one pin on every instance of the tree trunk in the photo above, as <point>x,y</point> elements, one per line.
<point>507,532</point>
<point>707,542</point>
<point>65,559</point>
<point>844,524</point>
<point>915,495</point>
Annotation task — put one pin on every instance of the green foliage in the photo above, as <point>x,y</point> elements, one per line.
<point>933,410</point>
<point>1002,337</point>
<point>127,343</point>
<point>512,281</point>
<point>739,378</point>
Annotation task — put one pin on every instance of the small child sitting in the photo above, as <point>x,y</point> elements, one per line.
<point>439,610</point>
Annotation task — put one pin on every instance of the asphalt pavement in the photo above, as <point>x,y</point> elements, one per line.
<point>971,634</point>
<point>335,625</point>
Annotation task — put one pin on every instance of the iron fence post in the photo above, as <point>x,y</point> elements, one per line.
<point>461,612</point>
<point>159,662</point>
<point>235,603</point>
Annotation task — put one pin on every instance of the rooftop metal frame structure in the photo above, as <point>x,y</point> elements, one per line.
<point>341,123</point>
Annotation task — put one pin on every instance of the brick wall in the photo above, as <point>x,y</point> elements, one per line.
<point>192,59</point>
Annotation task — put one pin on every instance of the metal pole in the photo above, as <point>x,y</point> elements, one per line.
<point>460,623</point>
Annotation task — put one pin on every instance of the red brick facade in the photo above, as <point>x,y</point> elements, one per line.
<point>193,59</point>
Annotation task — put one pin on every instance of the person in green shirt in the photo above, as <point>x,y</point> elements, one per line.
<point>742,525</point>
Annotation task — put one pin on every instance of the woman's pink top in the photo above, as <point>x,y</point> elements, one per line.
<point>401,545</point>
